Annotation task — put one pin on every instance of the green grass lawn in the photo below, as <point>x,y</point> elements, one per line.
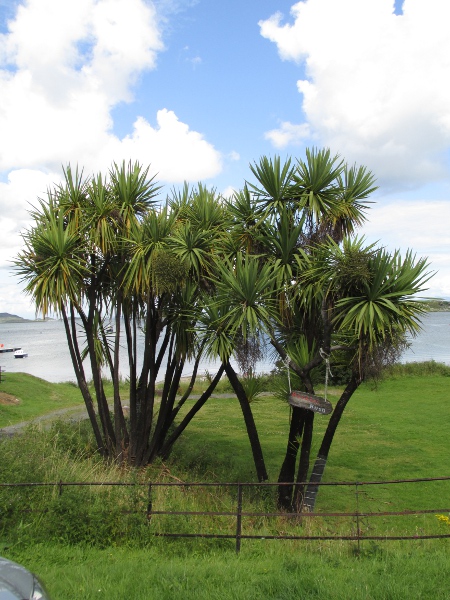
<point>36,397</point>
<point>269,570</point>
<point>398,430</point>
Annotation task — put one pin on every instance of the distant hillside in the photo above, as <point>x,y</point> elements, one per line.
<point>8,318</point>
<point>438,305</point>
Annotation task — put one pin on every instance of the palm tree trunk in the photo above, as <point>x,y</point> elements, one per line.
<point>103,409</point>
<point>169,416</point>
<point>122,439</point>
<point>173,375</point>
<point>81,379</point>
<point>322,455</point>
<point>303,465</point>
<point>250,424</point>
<point>133,385</point>
<point>190,387</point>
<point>287,471</point>
<point>165,450</point>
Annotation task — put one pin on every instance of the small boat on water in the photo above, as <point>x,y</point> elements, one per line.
<point>19,353</point>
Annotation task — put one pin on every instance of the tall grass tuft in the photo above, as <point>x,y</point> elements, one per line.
<point>417,369</point>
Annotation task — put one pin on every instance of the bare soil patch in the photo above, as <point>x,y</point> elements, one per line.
<point>8,399</point>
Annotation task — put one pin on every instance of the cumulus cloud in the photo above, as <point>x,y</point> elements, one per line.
<point>65,66</point>
<point>228,192</point>
<point>420,225</point>
<point>288,134</point>
<point>174,152</point>
<point>11,301</point>
<point>17,197</point>
<point>375,82</point>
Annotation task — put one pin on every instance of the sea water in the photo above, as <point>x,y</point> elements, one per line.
<point>49,358</point>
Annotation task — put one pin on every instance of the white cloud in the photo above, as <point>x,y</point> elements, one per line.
<point>418,225</point>
<point>375,87</point>
<point>228,192</point>
<point>196,60</point>
<point>11,300</point>
<point>17,196</point>
<point>69,65</point>
<point>174,152</point>
<point>65,67</point>
<point>288,134</point>
<point>86,45</point>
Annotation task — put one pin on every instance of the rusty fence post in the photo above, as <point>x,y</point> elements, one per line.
<point>239,518</point>
<point>150,503</point>
<point>358,530</point>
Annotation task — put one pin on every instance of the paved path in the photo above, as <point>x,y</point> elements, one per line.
<point>74,413</point>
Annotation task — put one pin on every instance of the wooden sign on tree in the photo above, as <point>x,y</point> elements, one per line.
<point>310,402</point>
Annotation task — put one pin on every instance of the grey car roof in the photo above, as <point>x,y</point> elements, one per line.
<point>14,579</point>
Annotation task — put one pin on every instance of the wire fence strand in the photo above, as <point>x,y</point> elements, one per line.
<point>361,531</point>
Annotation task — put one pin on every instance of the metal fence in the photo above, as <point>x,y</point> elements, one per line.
<point>154,508</point>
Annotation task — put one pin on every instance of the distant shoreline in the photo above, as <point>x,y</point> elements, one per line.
<point>434,305</point>
<point>438,305</point>
<point>6,318</point>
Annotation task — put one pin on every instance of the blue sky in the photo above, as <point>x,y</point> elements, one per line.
<point>201,88</point>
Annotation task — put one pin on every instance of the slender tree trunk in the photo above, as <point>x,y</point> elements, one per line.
<point>103,411</point>
<point>252,432</point>
<point>167,401</point>
<point>322,455</point>
<point>79,372</point>
<point>145,392</point>
<point>190,386</point>
<point>132,375</point>
<point>287,471</point>
<point>303,465</point>
<point>169,413</point>
<point>122,439</point>
<point>165,450</point>
<point>89,326</point>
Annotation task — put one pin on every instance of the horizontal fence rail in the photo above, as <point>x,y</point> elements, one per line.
<point>239,514</point>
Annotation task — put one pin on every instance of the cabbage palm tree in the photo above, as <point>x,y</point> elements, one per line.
<point>318,199</point>
<point>372,293</point>
<point>171,254</point>
<point>53,265</point>
<point>246,221</point>
<point>74,263</point>
<point>241,307</point>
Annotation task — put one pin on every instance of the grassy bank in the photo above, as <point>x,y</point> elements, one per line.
<point>86,547</point>
<point>24,397</point>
